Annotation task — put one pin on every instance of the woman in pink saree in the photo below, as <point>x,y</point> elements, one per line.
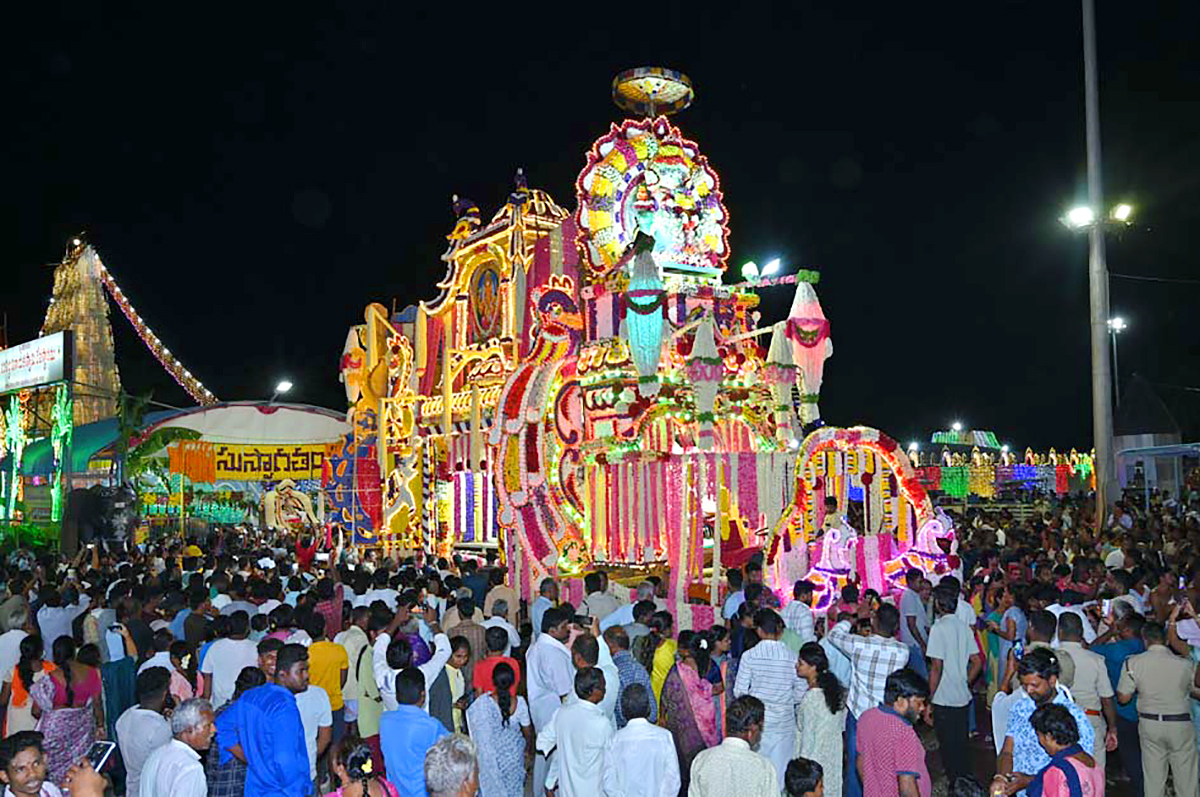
<point>72,710</point>
<point>687,708</point>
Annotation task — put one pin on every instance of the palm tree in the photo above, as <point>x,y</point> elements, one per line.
<point>131,414</point>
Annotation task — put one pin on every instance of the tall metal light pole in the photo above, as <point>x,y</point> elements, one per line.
<point>1098,279</point>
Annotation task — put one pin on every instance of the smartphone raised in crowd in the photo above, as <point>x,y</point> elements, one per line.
<point>99,754</point>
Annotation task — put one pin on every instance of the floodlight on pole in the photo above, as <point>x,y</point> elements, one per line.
<point>957,426</point>
<point>1122,213</point>
<point>283,386</point>
<point>1079,218</point>
<point>1116,325</point>
<point>772,267</point>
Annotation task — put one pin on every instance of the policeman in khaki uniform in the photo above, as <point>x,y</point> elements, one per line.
<point>1163,683</point>
<point>1091,688</point>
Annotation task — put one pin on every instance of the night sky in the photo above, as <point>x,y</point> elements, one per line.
<point>254,174</point>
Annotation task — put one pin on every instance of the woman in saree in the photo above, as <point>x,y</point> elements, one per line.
<point>72,709</point>
<point>500,726</point>
<point>686,708</point>
<point>183,682</point>
<point>656,651</point>
<point>719,673</point>
<point>14,695</point>
<point>992,616</point>
<point>662,625</point>
<point>1008,631</point>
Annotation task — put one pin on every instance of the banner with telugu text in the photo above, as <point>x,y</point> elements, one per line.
<point>271,462</point>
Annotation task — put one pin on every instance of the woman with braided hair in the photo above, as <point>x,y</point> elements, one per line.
<point>14,695</point>
<point>72,709</point>
<point>357,774</point>
<point>500,727</point>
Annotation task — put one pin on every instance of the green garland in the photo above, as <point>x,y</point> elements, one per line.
<point>648,309</point>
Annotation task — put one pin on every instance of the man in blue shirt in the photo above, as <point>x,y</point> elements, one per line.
<point>736,596</point>
<point>1128,643</point>
<point>547,598</point>
<point>263,729</point>
<point>629,672</point>
<point>1022,757</point>
<point>407,733</point>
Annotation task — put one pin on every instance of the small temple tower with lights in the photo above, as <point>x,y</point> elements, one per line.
<point>78,303</point>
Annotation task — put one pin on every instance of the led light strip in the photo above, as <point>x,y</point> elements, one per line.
<point>180,374</point>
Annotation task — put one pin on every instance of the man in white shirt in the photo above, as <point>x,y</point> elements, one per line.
<point>1119,518</point>
<point>499,619</point>
<point>624,613</point>
<point>954,663</point>
<point>798,615</point>
<point>175,769</point>
<point>227,658</point>
<point>768,672</point>
<point>588,651</point>
<point>220,582</point>
<point>732,767</point>
<point>55,616</point>
<point>316,715</point>
<point>640,760</point>
<point>381,592</point>
<point>1058,610</point>
<point>389,656</point>
<point>579,734</point>
<point>550,678</point>
<point>353,639</point>
<point>10,641</point>
<point>162,639</point>
<point>598,603</point>
<point>618,591</point>
<point>142,729</point>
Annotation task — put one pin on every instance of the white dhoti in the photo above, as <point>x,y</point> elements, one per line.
<point>780,748</point>
<point>541,768</point>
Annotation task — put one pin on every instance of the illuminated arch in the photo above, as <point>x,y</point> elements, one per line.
<point>854,438</point>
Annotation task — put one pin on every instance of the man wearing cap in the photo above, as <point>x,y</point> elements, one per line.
<point>1163,683</point>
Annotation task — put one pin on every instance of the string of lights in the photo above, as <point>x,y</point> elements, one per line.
<point>181,375</point>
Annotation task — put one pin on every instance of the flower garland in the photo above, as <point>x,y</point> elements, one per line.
<point>653,306</point>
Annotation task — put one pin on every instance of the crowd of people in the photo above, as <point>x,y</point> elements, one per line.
<point>1050,659</point>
